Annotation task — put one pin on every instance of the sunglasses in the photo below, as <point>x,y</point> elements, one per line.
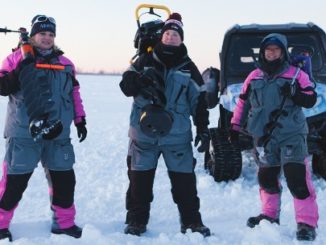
<point>43,18</point>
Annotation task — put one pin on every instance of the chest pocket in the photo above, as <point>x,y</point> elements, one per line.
<point>257,93</point>
<point>178,99</point>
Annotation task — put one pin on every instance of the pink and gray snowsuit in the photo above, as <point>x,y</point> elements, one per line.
<point>23,153</point>
<point>286,147</point>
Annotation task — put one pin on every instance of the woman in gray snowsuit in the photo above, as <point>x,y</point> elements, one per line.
<point>165,85</point>
<point>271,102</point>
<point>43,88</point>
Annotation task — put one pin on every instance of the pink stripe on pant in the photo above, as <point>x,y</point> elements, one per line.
<point>5,216</point>
<point>306,211</point>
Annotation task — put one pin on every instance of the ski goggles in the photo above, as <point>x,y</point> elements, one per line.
<point>43,18</point>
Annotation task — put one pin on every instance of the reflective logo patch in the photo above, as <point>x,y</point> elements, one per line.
<point>65,156</point>
<point>289,151</point>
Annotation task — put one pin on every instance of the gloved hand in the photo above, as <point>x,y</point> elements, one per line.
<point>10,82</point>
<point>203,137</point>
<point>288,90</point>
<point>234,137</point>
<point>23,64</point>
<point>81,130</point>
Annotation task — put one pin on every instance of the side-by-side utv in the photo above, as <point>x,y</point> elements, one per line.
<point>238,58</point>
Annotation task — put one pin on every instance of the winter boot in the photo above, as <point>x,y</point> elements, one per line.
<point>202,229</point>
<point>5,233</point>
<point>135,229</point>
<point>305,232</point>
<point>253,221</point>
<point>74,231</point>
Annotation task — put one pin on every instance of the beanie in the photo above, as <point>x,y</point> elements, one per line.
<point>174,22</point>
<point>41,23</point>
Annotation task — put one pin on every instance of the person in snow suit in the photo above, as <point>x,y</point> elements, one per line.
<point>59,87</point>
<point>165,85</point>
<point>270,105</point>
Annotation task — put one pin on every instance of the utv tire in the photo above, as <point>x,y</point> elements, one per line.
<point>319,165</point>
<point>224,160</point>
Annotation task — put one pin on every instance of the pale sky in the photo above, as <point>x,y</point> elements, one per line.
<point>98,34</point>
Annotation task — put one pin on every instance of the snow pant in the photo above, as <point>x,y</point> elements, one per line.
<point>298,179</point>
<point>140,195</point>
<point>62,186</point>
<point>184,193</point>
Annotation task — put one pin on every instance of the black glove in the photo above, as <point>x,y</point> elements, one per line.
<point>234,136</point>
<point>9,84</point>
<point>23,64</point>
<point>288,90</point>
<point>204,138</point>
<point>81,130</point>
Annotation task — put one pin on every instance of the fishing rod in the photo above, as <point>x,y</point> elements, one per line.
<point>6,30</point>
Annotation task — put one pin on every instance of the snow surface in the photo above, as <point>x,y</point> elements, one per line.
<point>102,182</point>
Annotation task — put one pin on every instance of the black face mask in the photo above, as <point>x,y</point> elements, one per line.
<point>170,55</point>
<point>272,67</point>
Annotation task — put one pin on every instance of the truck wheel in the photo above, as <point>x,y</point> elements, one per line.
<point>319,165</point>
<point>224,160</point>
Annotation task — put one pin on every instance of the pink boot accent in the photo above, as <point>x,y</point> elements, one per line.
<point>271,204</point>
<point>5,218</point>
<point>63,217</point>
<point>306,211</point>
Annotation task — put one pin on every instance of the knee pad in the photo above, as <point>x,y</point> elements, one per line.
<point>268,179</point>
<point>184,188</point>
<point>15,187</point>
<point>295,174</point>
<point>63,183</point>
<point>141,185</point>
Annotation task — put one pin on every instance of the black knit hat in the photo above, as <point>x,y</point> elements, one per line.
<point>174,22</point>
<point>41,23</point>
